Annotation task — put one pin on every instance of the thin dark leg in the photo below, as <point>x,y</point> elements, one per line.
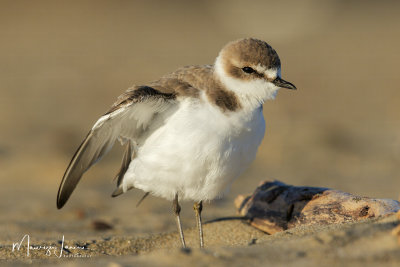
<point>177,210</point>
<point>198,207</point>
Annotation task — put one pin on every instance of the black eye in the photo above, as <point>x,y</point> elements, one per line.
<point>248,70</point>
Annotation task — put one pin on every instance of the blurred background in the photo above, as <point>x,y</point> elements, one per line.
<point>63,63</point>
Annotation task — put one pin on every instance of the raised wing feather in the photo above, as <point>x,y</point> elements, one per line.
<point>129,118</point>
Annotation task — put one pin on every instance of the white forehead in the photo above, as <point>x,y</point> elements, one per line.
<point>270,73</point>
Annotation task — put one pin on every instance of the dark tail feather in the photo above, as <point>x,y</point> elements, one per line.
<point>141,200</point>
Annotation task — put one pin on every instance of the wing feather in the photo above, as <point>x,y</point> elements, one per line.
<point>129,118</point>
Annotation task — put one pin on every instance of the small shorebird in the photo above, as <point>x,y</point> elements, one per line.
<point>189,134</point>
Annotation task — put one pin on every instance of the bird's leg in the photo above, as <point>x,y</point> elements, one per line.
<point>177,210</point>
<point>198,207</point>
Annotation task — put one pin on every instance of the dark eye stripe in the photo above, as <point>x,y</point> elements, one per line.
<point>248,70</point>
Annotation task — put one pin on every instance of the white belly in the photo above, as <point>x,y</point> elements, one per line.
<point>197,153</point>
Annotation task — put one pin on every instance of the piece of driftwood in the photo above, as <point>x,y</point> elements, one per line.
<point>275,206</point>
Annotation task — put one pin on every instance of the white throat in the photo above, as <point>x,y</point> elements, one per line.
<point>253,93</point>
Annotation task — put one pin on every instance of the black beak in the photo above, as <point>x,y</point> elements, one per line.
<point>283,84</point>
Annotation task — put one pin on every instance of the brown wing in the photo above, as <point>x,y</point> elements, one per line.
<point>126,160</point>
<point>129,118</point>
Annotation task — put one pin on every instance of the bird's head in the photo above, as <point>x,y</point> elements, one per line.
<point>251,69</point>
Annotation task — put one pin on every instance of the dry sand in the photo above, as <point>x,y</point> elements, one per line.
<point>63,63</point>
<point>230,242</point>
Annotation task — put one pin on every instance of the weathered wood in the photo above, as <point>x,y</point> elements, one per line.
<point>275,206</point>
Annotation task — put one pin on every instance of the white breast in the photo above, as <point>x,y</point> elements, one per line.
<point>197,153</point>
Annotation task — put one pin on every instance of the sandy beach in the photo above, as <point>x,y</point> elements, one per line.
<point>229,242</point>
<point>64,63</point>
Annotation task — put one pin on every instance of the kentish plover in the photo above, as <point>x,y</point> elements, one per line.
<point>189,134</point>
